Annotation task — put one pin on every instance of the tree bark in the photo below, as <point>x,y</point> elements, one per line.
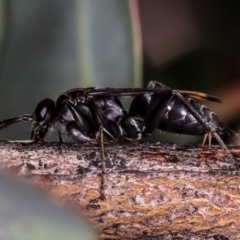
<point>153,190</point>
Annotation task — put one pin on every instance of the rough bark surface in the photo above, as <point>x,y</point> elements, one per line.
<point>153,190</point>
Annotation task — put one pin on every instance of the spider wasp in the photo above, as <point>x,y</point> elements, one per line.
<point>87,113</point>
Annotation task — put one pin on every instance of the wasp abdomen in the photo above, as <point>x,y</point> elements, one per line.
<point>178,119</point>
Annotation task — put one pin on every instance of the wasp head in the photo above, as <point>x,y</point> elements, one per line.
<point>43,116</point>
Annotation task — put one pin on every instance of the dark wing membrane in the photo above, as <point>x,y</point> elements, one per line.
<point>132,92</point>
<point>107,92</point>
<point>121,92</point>
<point>200,96</point>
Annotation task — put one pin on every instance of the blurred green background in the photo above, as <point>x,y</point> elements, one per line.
<point>48,47</point>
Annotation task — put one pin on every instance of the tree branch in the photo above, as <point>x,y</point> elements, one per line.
<point>152,189</point>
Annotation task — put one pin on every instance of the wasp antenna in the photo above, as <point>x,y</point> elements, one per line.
<point>10,121</point>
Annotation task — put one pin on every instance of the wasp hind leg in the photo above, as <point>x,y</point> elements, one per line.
<point>103,158</point>
<point>209,137</point>
<point>208,128</point>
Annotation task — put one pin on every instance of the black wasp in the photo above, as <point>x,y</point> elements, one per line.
<point>87,113</point>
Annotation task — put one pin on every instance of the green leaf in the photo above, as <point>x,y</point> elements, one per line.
<point>109,43</point>
<point>26,214</point>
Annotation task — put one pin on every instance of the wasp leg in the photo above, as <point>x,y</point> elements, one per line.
<point>101,132</point>
<point>60,137</point>
<point>80,126</point>
<point>22,141</point>
<point>77,124</point>
<point>102,129</point>
<point>209,137</point>
<point>103,174</point>
<point>208,128</point>
<point>60,142</point>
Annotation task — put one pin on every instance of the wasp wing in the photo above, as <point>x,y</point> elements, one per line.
<point>108,92</point>
<point>132,92</point>
<point>120,92</point>
<point>200,96</point>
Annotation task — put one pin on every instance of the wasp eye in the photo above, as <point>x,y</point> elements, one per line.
<point>44,110</point>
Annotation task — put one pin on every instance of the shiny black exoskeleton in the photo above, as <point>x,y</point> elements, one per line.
<point>167,110</point>
<point>84,113</point>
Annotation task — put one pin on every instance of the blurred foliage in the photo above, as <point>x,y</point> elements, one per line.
<point>198,70</point>
<point>2,24</point>
<point>28,214</point>
<point>109,43</point>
